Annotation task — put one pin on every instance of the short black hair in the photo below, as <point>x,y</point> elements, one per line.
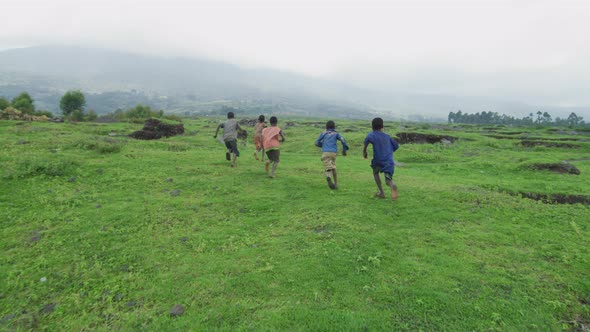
<point>273,120</point>
<point>261,118</point>
<point>377,123</point>
<point>330,125</point>
<point>230,115</point>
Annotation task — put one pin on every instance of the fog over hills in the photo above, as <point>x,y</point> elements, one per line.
<point>114,79</point>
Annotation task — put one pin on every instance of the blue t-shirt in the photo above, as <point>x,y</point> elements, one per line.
<point>328,139</point>
<point>383,148</point>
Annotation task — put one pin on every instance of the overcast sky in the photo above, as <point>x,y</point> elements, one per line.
<point>372,42</point>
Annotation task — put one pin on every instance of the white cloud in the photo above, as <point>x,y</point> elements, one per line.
<point>320,37</point>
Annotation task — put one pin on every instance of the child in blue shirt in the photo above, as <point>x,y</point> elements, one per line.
<point>327,141</point>
<point>383,148</point>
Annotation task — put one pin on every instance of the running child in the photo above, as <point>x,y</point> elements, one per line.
<point>258,136</point>
<point>328,142</point>
<point>383,148</point>
<point>230,137</point>
<point>271,138</point>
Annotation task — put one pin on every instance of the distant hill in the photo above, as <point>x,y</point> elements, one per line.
<point>113,79</point>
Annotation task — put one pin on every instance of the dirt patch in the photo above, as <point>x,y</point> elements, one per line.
<point>404,138</point>
<point>555,198</point>
<point>155,129</point>
<point>242,134</point>
<point>248,122</point>
<point>578,324</point>
<point>512,132</point>
<point>289,124</point>
<point>501,137</point>
<point>315,124</point>
<point>561,168</point>
<point>548,144</point>
<point>13,114</point>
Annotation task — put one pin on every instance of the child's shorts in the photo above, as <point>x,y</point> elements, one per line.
<point>273,155</point>
<point>329,160</point>
<point>232,145</point>
<point>387,170</point>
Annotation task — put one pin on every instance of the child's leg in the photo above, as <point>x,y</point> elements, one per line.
<point>329,179</point>
<point>335,177</point>
<point>274,167</point>
<point>380,194</point>
<point>235,152</point>
<point>393,186</point>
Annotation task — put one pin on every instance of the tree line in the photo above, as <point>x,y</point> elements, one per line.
<point>541,119</point>
<point>73,108</point>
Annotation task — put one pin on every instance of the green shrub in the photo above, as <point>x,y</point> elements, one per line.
<point>35,167</point>
<point>178,147</point>
<point>102,145</point>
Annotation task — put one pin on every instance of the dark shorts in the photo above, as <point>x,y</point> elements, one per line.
<point>386,169</point>
<point>273,155</point>
<point>232,146</point>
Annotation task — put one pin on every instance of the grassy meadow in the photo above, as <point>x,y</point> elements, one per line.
<point>101,232</point>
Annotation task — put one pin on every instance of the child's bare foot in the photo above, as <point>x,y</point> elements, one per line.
<point>394,194</point>
<point>256,155</point>
<point>380,194</point>
<point>233,164</point>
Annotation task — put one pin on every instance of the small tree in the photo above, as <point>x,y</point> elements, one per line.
<point>4,103</point>
<point>91,115</point>
<point>24,103</point>
<point>71,101</point>
<point>77,115</point>
<point>573,119</point>
<point>547,118</point>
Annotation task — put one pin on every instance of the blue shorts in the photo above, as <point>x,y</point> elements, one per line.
<point>387,169</point>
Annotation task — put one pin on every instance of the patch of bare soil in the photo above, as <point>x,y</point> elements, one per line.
<point>556,198</point>
<point>501,137</point>
<point>404,138</point>
<point>512,132</point>
<point>547,144</point>
<point>155,129</point>
<point>248,122</point>
<point>561,168</point>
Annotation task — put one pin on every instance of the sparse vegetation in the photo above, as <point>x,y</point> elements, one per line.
<point>101,232</point>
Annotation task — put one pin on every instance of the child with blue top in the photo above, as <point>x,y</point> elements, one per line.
<point>327,141</point>
<point>383,148</point>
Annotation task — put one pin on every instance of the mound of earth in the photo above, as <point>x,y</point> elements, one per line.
<point>242,134</point>
<point>248,122</point>
<point>404,138</point>
<point>13,114</point>
<point>562,168</point>
<point>156,129</point>
<point>557,198</point>
<point>548,144</point>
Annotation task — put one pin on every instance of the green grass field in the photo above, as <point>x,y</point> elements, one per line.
<point>101,232</point>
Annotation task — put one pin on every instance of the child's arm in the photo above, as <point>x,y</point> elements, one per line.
<point>344,144</point>
<point>394,144</point>
<point>282,136</point>
<point>216,131</point>
<point>365,150</point>
<point>320,140</point>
